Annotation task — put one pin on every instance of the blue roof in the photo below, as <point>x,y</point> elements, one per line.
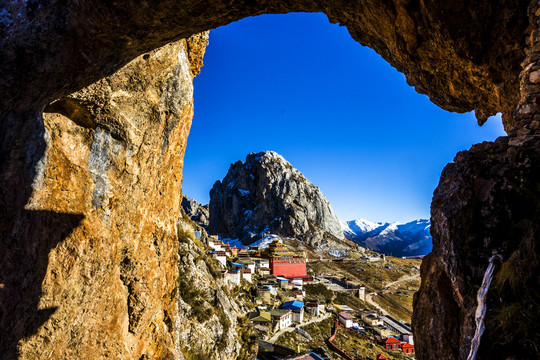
<point>293,305</point>
<point>237,264</point>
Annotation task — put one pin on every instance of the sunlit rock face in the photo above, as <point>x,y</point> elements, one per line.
<point>195,211</point>
<point>267,195</point>
<point>90,191</point>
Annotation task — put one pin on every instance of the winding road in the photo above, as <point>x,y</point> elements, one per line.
<point>370,300</point>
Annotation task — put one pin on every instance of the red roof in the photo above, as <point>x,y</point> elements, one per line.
<point>391,340</point>
<point>381,357</point>
<point>346,315</point>
<point>406,345</point>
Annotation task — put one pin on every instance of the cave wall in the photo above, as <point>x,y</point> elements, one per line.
<point>93,124</point>
<point>463,56</point>
<point>90,202</point>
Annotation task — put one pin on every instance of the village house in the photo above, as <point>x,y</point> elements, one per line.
<point>283,282</point>
<point>261,263</point>
<point>314,307</point>
<point>382,331</point>
<point>407,348</point>
<point>346,319</point>
<point>263,293</point>
<point>216,245</point>
<point>263,271</point>
<point>282,317</point>
<point>221,257</point>
<point>402,329</point>
<point>260,320</point>
<point>391,343</point>
<point>246,274</point>
<point>408,338</point>
<point>232,277</point>
<point>371,319</point>
<point>297,308</point>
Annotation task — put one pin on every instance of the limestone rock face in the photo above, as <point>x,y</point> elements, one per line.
<point>88,209</point>
<point>487,202</point>
<point>195,211</point>
<point>266,194</point>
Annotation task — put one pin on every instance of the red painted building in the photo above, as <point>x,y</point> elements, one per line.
<point>407,348</point>
<point>285,263</point>
<point>391,343</point>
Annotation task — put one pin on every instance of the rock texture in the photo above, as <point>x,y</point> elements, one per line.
<point>88,207</point>
<point>463,56</point>
<point>488,201</point>
<point>267,195</point>
<point>195,211</point>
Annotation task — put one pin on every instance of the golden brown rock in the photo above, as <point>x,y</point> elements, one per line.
<point>110,178</point>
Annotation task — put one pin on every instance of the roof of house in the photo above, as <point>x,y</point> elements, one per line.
<point>407,345</point>
<point>279,312</point>
<point>343,307</point>
<point>235,264</point>
<point>381,357</point>
<point>345,315</point>
<point>391,340</point>
<point>293,305</point>
<point>260,316</point>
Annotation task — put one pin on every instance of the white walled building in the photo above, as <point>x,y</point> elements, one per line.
<point>281,316</point>
<point>346,319</point>
<point>221,257</point>
<point>246,274</point>
<point>233,277</point>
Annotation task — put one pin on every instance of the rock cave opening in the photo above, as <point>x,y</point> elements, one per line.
<point>301,86</point>
<point>132,67</point>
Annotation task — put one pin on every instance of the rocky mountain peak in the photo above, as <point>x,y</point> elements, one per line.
<point>266,194</point>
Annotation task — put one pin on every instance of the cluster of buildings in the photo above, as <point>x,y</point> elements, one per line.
<point>394,334</point>
<point>242,263</point>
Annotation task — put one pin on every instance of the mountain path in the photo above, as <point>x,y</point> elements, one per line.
<point>377,306</point>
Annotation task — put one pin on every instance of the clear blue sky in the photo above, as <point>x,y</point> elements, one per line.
<point>337,111</point>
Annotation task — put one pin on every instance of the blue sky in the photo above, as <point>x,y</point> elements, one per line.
<point>336,110</point>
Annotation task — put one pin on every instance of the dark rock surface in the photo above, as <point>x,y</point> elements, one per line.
<point>195,211</point>
<point>465,56</point>
<point>267,195</point>
<point>487,202</point>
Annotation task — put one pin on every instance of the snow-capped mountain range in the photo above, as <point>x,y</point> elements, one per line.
<point>396,239</point>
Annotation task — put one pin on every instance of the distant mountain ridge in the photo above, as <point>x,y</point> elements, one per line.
<point>397,239</point>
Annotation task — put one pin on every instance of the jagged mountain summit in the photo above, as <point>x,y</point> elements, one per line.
<point>267,195</point>
<point>397,239</point>
<point>195,211</point>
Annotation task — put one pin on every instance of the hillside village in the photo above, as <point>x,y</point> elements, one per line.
<point>278,277</point>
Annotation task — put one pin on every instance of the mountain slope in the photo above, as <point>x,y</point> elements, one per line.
<point>397,239</point>
<point>267,195</point>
